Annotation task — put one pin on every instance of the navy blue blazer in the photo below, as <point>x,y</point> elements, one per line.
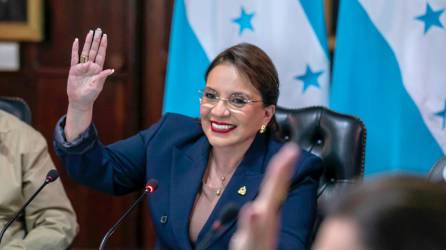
<point>175,152</point>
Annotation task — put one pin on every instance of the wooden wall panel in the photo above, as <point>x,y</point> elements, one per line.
<point>96,211</point>
<point>135,56</point>
<point>156,20</point>
<point>156,30</point>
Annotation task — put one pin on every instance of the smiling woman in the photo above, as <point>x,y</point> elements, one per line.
<point>201,165</point>
<point>232,123</point>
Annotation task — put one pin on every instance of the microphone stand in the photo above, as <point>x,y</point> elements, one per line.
<point>52,176</point>
<point>115,226</point>
<point>150,187</point>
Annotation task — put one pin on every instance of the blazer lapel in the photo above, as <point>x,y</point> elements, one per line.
<point>243,186</point>
<point>188,167</point>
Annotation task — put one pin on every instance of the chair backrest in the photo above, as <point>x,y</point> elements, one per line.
<point>16,106</point>
<point>438,171</point>
<point>338,139</point>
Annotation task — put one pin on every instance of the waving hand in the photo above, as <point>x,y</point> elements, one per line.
<point>85,81</point>
<point>87,76</point>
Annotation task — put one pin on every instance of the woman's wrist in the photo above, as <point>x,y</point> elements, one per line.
<point>77,121</point>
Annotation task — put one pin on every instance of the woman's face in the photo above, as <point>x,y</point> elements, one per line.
<point>223,123</point>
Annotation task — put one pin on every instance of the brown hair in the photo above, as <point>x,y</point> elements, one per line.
<point>253,63</point>
<point>396,212</point>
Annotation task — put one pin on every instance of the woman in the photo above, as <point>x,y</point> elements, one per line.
<point>201,165</point>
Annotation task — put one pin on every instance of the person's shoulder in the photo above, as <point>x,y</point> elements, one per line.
<point>174,126</point>
<point>305,155</point>
<point>180,120</point>
<point>179,123</point>
<point>11,123</point>
<point>18,132</point>
<point>8,121</point>
<point>275,145</point>
<point>307,163</point>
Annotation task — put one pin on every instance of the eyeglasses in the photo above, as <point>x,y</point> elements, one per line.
<point>235,100</point>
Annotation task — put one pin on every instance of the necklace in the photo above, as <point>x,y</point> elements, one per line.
<point>223,178</point>
<point>223,183</point>
<point>222,186</point>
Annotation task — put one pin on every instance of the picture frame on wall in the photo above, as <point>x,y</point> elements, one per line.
<point>21,20</point>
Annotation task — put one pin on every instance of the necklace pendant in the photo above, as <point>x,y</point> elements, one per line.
<point>218,192</point>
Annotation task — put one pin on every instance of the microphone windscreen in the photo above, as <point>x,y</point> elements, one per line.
<point>228,213</point>
<point>52,175</point>
<point>151,185</point>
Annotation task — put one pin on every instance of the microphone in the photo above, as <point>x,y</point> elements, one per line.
<point>51,176</point>
<point>150,187</point>
<point>228,213</point>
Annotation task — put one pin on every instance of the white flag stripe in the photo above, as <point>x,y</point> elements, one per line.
<point>281,28</point>
<point>420,54</point>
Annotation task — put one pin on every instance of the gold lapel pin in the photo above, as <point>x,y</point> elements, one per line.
<point>242,190</point>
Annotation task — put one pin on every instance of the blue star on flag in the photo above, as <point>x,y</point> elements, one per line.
<point>309,78</point>
<point>431,18</point>
<point>442,115</point>
<point>244,20</point>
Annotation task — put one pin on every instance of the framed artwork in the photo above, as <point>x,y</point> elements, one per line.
<point>21,20</point>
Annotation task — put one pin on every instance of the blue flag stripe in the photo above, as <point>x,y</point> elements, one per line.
<point>186,66</point>
<point>367,83</point>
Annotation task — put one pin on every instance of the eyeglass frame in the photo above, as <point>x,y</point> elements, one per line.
<point>227,100</point>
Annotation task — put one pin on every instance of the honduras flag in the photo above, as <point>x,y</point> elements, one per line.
<point>291,32</point>
<point>389,69</point>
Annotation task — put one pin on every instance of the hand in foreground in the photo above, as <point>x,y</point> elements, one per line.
<point>86,78</point>
<point>258,224</point>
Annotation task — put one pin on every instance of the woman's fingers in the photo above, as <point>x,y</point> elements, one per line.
<point>100,57</point>
<point>275,186</point>
<point>245,220</point>
<point>75,52</point>
<point>94,49</point>
<point>86,48</point>
<point>100,78</point>
<point>95,45</point>
<point>242,239</point>
<point>258,221</point>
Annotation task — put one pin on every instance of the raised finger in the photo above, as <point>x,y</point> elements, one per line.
<point>101,77</point>
<point>245,217</point>
<point>276,183</point>
<point>87,44</point>
<point>75,52</point>
<point>100,58</point>
<point>95,45</point>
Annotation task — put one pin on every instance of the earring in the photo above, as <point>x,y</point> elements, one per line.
<point>263,129</point>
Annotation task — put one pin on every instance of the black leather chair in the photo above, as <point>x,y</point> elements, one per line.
<point>16,106</point>
<point>338,139</point>
<point>438,171</point>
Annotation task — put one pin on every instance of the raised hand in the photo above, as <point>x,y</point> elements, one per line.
<point>258,223</point>
<point>85,82</point>
<point>86,78</point>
